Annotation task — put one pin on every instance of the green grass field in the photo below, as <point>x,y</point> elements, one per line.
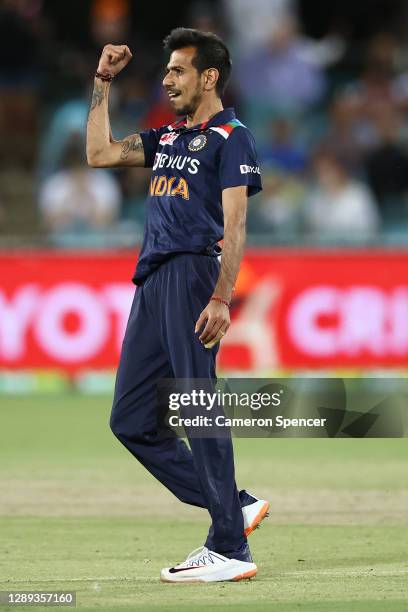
<point>77,512</point>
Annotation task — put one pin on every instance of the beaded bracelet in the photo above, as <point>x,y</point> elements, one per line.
<point>104,77</point>
<point>219,299</point>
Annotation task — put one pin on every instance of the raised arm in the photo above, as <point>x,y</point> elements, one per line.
<point>101,149</point>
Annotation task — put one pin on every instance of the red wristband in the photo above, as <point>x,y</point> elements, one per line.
<point>219,299</point>
<point>104,77</point>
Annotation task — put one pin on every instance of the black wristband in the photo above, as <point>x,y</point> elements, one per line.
<point>104,77</point>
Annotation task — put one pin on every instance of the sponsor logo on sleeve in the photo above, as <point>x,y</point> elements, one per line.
<point>244,169</point>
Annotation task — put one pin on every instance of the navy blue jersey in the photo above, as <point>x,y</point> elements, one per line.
<point>191,167</point>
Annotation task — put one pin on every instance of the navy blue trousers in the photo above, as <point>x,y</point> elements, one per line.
<point>160,343</point>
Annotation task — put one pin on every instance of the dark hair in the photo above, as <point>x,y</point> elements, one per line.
<point>211,52</point>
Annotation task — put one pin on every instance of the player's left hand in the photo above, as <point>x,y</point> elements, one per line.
<point>216,320</point>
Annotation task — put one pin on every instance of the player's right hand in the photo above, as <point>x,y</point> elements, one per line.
<point>114,58</point>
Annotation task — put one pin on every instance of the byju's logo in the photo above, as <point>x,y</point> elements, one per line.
<point>244,169</point>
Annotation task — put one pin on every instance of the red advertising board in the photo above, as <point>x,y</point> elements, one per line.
<point>292,309</point>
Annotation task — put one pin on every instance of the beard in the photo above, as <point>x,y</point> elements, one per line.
<point>190,107</point>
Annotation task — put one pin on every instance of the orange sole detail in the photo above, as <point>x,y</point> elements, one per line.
<point>258,519</point>
<point>244,576</point>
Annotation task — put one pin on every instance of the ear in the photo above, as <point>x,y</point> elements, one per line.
<point>211,76</point>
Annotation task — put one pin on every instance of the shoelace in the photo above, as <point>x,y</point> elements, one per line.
<point>201,556</point>
<point>197,555</point>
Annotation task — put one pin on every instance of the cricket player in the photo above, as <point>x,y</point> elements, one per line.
<point>204,167</point>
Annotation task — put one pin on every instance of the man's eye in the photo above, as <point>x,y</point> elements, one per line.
<point>177,71</point>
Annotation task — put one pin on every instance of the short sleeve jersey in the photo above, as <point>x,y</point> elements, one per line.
<point>191,168</point>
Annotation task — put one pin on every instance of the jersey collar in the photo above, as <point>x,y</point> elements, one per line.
<point>221,118</point>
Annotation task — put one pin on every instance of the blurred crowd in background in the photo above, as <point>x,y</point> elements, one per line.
<point>329,113</point>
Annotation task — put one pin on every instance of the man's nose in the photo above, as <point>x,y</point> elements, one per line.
<point>167,81</point>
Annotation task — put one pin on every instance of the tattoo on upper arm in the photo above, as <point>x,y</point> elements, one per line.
<point>133,143</point>
<point>97,95</point>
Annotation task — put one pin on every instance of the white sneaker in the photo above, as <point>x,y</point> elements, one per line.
<point>203,565</point>
<point>254,513</point>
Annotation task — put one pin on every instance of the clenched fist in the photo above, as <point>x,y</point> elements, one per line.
<point>114,58</point>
